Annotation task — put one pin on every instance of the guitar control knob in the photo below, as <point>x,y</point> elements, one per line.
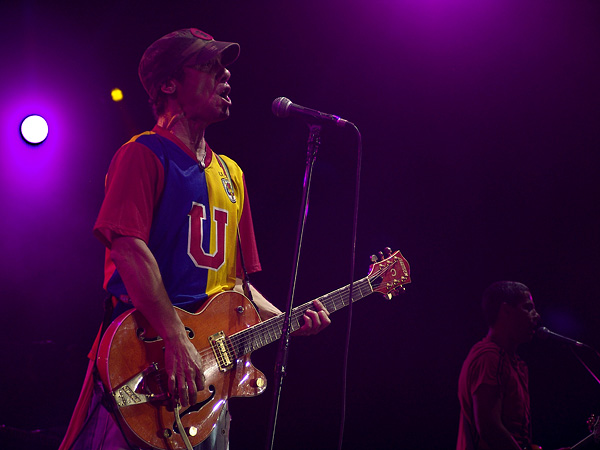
<point>167,433</point>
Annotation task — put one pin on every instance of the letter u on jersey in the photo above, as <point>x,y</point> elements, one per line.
<point>196,238</point>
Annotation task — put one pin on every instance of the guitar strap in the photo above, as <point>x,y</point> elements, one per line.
<point>109,308</point>
<point>245,278</point>
<point>97,383</point>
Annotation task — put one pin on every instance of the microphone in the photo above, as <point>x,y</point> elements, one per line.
<point>283,107</point>
<point>545,333</point>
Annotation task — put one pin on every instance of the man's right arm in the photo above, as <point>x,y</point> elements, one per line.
<point>140,273</point>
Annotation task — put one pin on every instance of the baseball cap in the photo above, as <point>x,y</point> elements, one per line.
<point>187,46</point>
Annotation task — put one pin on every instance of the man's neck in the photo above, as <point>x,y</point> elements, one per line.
<point>190,133</point>
<point>503,340</point>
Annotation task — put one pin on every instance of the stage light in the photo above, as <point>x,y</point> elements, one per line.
<point>116,94</point>
<point>34,129</point>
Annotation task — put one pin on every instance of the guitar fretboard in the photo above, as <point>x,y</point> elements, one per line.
<point>270,330</point>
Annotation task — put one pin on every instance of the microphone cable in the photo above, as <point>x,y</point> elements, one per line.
<point>352,265</point>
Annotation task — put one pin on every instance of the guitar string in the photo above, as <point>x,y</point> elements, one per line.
<point>244,342</point>
<point>333,301</point>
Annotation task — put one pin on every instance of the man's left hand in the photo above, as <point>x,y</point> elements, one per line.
<point>314,321</point>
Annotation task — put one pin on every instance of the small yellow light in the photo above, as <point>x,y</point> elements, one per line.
<point>116,94</point>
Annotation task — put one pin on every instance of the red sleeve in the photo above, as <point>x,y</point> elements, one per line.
<point>486,369</point>
<point>246,230</point>
<point>134,184</point>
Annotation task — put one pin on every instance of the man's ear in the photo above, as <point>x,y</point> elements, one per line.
<point>168,87</point>
<point>505,309</point>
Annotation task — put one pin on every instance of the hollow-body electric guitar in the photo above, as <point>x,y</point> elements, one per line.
<point>225,332</point>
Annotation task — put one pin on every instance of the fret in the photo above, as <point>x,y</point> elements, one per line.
<point>270,330</point>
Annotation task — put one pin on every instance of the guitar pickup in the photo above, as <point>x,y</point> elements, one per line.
<point>223,351</point>
<point>137,391</point>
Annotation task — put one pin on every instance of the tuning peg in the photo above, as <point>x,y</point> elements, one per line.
<point>380,254</point>
<point>395,292</point>
<point>373,258</point>
<point>592,422</point>
<point>387,251</point>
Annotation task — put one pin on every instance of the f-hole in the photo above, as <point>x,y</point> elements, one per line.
<point>195,408</point>
<point>141,335</point>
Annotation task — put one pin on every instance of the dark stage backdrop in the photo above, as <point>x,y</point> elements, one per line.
<point>481,127</point>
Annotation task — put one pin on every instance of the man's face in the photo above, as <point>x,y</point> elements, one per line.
<point>204,93</point>
<point>524,318</point>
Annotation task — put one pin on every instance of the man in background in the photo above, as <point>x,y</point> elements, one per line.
<point>493,387</point>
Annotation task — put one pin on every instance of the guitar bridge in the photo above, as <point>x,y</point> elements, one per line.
<point>137,390</point>
<point>223,351</point>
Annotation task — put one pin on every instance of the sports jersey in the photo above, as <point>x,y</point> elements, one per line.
<point>489,364</point>
<point>187,214</point>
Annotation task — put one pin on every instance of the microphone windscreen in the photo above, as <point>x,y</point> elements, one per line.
<point>280,106</point>
<point>542,333</point>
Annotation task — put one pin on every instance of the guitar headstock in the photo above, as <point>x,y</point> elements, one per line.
<point>389,273</point>
<point>594,426</point>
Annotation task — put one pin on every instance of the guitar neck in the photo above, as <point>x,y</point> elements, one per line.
<point>270,330</point>
<point>583,442</point>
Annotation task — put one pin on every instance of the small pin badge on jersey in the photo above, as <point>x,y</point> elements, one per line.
<point>229,189</point>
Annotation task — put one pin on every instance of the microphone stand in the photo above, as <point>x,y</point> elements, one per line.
<point>544,333</point>
<point>314,140</point>
<point>590,371</point>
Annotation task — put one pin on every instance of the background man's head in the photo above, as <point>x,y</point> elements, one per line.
<point>509,292</point>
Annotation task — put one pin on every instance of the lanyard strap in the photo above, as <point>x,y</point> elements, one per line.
<point>245,278</point>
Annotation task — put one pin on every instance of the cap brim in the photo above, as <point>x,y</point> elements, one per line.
<point>229,52</point>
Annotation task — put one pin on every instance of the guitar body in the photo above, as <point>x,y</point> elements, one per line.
<point>131,365</point>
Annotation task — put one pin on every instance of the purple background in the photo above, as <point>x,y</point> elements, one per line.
<point>481,127</point>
